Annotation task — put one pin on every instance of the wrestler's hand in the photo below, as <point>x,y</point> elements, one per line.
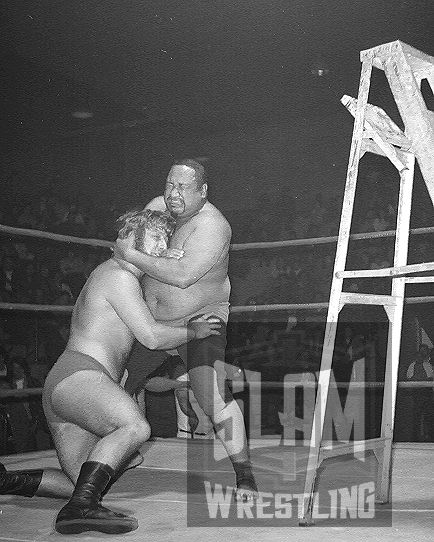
<point>175,253</point>
<point>205,326</point>
<point>122,246</point>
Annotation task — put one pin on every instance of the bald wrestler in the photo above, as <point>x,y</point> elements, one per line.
<point>179,290</point>
<point>96,426</point>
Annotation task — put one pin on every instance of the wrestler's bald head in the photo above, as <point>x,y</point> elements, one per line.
<point>143,222</point>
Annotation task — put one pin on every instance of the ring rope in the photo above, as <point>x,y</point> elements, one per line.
<point>28,392</point>
<point>54,236</point>
<point>234,247</point>
<point>236,309</point>
<point>35,308</point>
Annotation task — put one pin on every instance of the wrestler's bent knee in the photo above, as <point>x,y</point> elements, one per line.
<point>139,431</point>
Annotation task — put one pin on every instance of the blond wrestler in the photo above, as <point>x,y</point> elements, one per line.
<point>96,426</point>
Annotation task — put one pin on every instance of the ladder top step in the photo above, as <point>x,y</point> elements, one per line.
<point>419,61</point>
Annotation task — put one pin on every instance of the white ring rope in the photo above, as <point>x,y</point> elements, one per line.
<point>262,386</point>
<point>323,240</point>
<point>35,308</point>
<point>234,247</point>
<point>236,309</point>
<point>55,236</point>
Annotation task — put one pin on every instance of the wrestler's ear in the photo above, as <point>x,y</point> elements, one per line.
<point>204,190</point>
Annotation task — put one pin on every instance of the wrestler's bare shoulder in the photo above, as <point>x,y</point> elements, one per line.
<point>210,215</point>
<point>110,278</point>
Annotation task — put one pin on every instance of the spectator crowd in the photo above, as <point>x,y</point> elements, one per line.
<point>46,272</point>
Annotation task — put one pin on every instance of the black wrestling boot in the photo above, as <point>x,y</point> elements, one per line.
<point>131,463</point>
<point>245,480</point>
<point>84,512</point>
<point>19,482</point>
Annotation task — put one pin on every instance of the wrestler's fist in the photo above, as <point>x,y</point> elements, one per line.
<point>205,326</point>
<point>175,253</point>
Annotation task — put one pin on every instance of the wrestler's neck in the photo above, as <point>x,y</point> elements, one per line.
<point>129,267</point>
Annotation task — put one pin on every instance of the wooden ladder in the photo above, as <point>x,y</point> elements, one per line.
<point>405,68</point>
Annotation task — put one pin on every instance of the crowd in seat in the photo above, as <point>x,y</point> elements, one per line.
<point>40,271</point>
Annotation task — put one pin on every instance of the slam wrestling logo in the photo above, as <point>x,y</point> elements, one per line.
<point>354,502</point>
<point>346,485</point>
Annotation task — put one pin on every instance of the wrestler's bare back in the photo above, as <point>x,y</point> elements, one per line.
<point>168,302</point>
<point>96,328</point>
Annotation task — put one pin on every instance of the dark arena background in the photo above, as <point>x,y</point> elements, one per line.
<point>329,342</point>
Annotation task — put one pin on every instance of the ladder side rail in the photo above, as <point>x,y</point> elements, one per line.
<point>395,314</point>
<point>305,516</point>
<point>419,127</point>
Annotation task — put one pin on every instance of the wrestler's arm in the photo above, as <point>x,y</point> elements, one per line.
<point>125,296</point>
<point>202,249</point>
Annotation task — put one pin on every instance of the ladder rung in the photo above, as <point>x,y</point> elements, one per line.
<point>419,280</point>
<point>386,271</point>
<point>330,449</point>
<point>351,298</point>
<point>364,273</point>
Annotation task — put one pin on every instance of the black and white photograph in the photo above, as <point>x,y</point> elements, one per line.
<point>216,277</point>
